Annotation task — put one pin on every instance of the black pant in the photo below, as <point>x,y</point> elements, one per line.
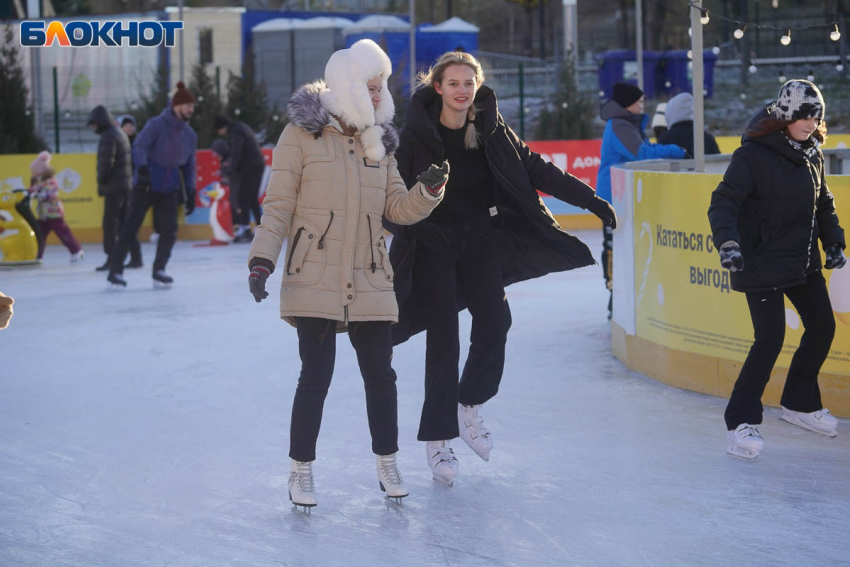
<point>249,189</point>
<point>115,210</point>
<point>372,340</point>
<point>471,268</point>
<point>165,210</point>
<point>608,263</point>
<point>767,310</point>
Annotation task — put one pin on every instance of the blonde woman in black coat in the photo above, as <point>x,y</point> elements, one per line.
<point>491,230</point>
<point>766,217</point>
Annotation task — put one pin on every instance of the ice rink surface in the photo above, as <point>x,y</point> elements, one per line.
<point>148,427</point>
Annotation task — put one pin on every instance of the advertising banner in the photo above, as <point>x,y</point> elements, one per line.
<point>682,296</point>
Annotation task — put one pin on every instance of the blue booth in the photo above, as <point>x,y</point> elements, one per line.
<point>620,65</point>
<point>680,73</point>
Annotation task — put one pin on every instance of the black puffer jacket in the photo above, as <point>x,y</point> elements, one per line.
<point>774,202</point>
<point>114,157</point>
<point>682,134</point>
<point>531,243</point>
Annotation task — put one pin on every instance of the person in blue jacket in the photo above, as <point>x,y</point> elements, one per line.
<point>164,176</point>
<point>624,140</point>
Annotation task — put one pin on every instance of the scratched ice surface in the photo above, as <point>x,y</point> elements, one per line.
<point>146,428</point>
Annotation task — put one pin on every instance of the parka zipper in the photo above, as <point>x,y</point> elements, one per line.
<point>373,266</point>
<point>322,239</point>
<point>294,246</point>
<point>814,216</point>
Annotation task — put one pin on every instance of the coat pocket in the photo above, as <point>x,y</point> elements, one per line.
<point>378,268</point>
<point>302,267</point>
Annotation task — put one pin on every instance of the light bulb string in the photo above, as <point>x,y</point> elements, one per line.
<point>750,25</point>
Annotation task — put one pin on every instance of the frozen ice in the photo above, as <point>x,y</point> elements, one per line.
<point>150,427</point>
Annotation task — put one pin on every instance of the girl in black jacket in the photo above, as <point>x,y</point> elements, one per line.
<point>492,229</point>
<point>766,216</point>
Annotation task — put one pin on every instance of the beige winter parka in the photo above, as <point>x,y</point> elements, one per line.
<point>327,198</point>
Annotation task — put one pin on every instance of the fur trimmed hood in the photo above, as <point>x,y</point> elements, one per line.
<point>344,94</point>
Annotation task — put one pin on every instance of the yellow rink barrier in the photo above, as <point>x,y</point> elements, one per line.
<point>676,318</point>
<point>77,178</point>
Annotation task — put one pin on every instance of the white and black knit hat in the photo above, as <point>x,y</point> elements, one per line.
<point>799,99</point>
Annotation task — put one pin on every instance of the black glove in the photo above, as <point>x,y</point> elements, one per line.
<point>730,256</point>
<point>603,209</point>
<point>143,179</point>
<point>190,201</point>
<point>261,269</point>
<point>434,178</point>
<point>835,259</point>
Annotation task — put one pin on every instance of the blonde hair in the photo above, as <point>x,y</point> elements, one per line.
<point>435,74</point>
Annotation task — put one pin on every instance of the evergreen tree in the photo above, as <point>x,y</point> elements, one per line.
<point>207,105</point>
<point>154,101</point>
<point>17,128</point>
<point>573,112</point>
<point>246,98</point>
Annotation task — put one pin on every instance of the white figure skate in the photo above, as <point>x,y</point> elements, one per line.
<point>301,489</point>
<point>442,461</point>
<point>821,422</point>
<point>745,442</point>
<point>389,479</point>
<point>473,432</point>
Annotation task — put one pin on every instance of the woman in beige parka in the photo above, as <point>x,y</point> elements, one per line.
<point>333,179</point>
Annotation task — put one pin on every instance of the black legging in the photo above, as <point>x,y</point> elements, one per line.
<point>767,310</point>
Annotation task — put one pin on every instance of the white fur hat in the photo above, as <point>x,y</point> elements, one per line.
<point>347,97</point>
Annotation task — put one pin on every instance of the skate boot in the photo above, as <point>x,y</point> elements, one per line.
<point>821,422</point>
<point>116,280</point>
<point>745,442</point>
<point>389,479</point>
<point>473,432</point>
<point>77,256</point>
<point>103,268</point>
<point>301,490</point>
<point>442,461</point>
<point>161,280</point>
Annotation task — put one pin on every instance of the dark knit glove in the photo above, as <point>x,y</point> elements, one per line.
<point>435,178</point>
<point>603,209</point>
<point>143,179</point>
<point>261,269</point>
<point>835,258</point>
<point>730,256</point>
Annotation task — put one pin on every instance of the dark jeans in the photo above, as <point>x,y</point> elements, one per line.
<point>767,310</point>
<point>471,268</point>
<point>115,209</point>
<point>62,230</point>
<point>372,340</point>
<point>249,189</point>
<point>165,211</point>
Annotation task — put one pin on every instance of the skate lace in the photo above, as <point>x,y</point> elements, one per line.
<point>820,414</point>
<point>304,477</point>
<point>389,469</point>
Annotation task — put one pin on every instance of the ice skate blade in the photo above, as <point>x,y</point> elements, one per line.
<point>742,454</point>
<point>115,287</point>
<point>161,285</point>
<point>444,481</point>
<point>828,434</point>
<point>396,499</point>
<point>297,505</point>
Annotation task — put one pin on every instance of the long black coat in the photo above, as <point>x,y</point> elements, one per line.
<point>245,152</point>
<point>114,156</point>
<point>774,202</point>
<point>530,241</point>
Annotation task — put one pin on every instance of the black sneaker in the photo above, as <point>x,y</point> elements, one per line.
<point>116,279</point>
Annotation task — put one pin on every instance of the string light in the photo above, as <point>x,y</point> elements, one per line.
<point>782,77</point>
<point>753,69</point>
<point>834,34</point>
<point>839,67</point>
<point>811,76</point>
